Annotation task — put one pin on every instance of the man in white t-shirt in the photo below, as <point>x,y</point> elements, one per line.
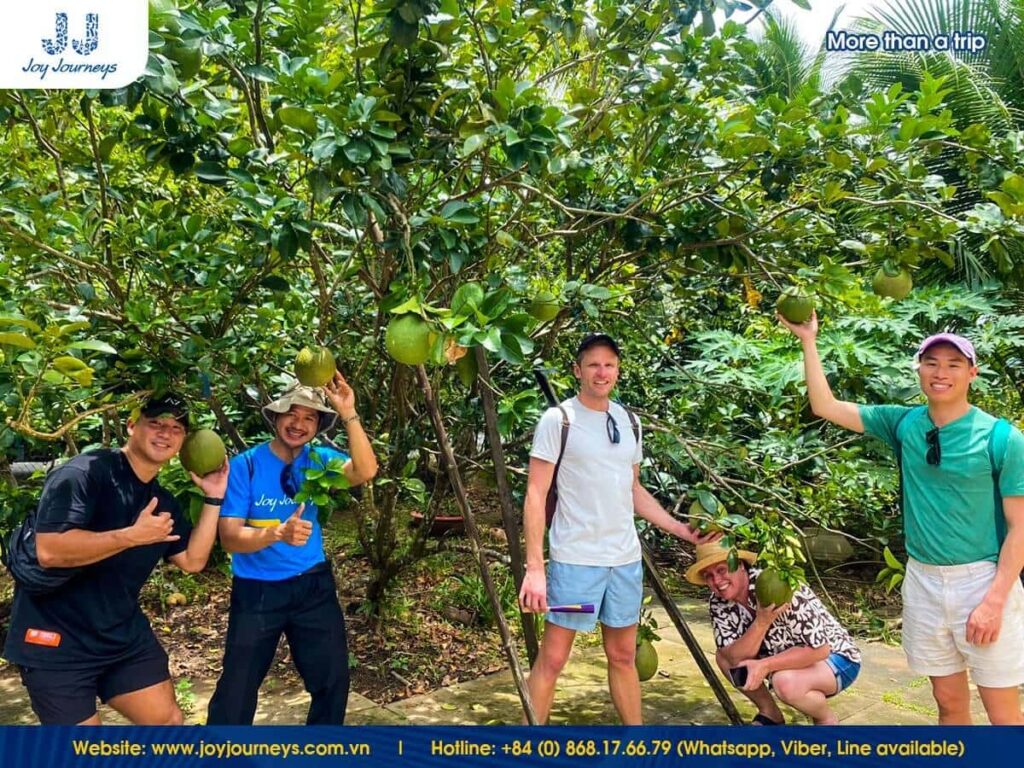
<point>594,548</point>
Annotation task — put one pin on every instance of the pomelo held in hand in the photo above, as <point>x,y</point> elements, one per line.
<point>796,305</point>
<point>202,452</point>
<point>772,589</point>
<point>646,660</point>
<point>896,284</point>
<point>408,339</point>
<point>315,367</point>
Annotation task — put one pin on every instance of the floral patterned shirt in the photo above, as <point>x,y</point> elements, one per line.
<point>808,623</point>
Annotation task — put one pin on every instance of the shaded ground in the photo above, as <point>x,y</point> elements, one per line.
<point>885,693</point>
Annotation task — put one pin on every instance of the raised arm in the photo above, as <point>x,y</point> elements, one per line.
<point>823,402</point>
<point>362,467</point>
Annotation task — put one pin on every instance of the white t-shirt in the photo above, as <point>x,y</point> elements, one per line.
<point>593,522</point>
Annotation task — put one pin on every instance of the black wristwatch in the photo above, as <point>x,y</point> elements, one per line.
<point>212,501</point>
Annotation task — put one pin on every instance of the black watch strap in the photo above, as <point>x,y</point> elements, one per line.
<point>213,502</point>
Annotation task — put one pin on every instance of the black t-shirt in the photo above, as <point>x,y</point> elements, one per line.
<point>96,614</point>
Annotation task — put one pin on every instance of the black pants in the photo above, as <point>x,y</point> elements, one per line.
<point>305,608</point>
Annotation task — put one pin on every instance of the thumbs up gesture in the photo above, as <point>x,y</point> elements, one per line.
<point>294,530</point>
<point>151,527</point>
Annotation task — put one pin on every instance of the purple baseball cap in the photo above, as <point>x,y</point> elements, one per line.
<point>962,345</point>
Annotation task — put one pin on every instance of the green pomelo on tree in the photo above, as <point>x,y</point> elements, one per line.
<point>796,305</point>
<point>203,452</point>
<point>544,306</point>
<point>315,367</point>
<point>646,660</point>
<point>895,284</point>
<point>408,339</point>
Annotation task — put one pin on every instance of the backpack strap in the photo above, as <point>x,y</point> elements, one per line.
<point>900,423</point>
<point>552,496</point>
<point>997,440</point>
<point>633,423</point>
<point>561,446</point>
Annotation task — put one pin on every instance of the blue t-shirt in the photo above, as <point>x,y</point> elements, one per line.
<point>263,503</point>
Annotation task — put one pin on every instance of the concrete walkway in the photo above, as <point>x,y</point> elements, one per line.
<point>886,693</point>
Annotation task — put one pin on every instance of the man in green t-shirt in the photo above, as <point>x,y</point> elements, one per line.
<point>963,603</point>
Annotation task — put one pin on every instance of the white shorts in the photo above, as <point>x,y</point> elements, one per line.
<point>937,601</point>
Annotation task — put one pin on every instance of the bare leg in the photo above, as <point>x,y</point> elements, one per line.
<point>805,690</point>
<point>154,705</point>
<point>620,649</point>
<point>1002,705</point>
<point>554,651</point>
<point>953,696</point>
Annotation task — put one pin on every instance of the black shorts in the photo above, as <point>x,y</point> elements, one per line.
<point>68,696</point>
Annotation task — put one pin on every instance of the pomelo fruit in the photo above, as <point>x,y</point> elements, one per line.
<point>772,589</point>
<point>408,339</point>
<point>796,305</point>
<point>315,366</point>
<point>467,297</point>
<point>894,284</point>
<point>202,452</point>
<point>544,306</point>
<point>646,660</point>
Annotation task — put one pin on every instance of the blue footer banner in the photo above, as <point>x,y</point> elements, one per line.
<point>293,746</point>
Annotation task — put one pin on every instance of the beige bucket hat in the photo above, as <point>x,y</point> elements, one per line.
<point>712,554</point>
<point>299,394</point>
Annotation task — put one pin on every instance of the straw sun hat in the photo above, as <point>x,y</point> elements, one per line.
<point>712,554</point>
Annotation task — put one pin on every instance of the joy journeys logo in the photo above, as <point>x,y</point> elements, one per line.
<point>74,44</point>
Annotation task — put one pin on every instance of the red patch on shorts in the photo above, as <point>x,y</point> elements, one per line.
<point>42,637</point>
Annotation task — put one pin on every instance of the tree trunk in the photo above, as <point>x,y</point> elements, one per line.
<point>691,642</point>
<point>508,510</point>
<point>508,641</point>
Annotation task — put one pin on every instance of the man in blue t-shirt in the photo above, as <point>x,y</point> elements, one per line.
<point>963,512</point>
<point>282,580</point>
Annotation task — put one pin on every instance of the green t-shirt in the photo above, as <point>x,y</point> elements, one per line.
<point>949,510</point>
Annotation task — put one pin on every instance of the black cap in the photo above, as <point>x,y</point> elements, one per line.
<point>597,340</point>
<point>167,404</point>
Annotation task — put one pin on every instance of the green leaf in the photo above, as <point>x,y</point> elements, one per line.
<point>460,212</point>
<point>358,152</point>
<point>298,118</point>
<point>891,561</point>
<point>95,345</point>
<point>211,172</point>
<point>17,340</point>
<point>473,143</point>
<point>23,322</point>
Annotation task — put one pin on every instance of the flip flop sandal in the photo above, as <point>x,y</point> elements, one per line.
<point>760,719</point>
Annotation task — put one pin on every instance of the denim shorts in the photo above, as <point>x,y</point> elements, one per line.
<point>846,671</point>
<point>616,592</point>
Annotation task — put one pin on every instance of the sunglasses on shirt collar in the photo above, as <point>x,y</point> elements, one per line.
<point>934,455</point>
<point>289,482</point>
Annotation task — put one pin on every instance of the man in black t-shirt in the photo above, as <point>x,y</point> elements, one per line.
<point>104,513</point>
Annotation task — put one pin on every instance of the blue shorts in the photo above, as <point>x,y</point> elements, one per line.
<point>616,592</point>
<point>846,671</point>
